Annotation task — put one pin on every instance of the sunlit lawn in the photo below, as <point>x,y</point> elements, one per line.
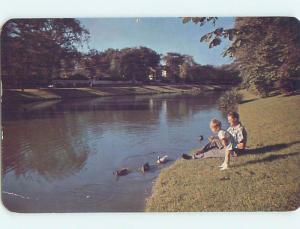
<point>267,178</point>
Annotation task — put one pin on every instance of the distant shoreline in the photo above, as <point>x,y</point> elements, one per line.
<point>45,94</point>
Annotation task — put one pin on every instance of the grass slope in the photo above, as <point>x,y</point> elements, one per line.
<point>267,178</point>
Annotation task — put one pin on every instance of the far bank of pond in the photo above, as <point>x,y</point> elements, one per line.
<point>44,94</point>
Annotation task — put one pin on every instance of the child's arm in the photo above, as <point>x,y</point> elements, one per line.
<point>211,138</point>
<point>242,139</point>
<point>223,138</point>
<point>224,141</point>
<point>241,145</point>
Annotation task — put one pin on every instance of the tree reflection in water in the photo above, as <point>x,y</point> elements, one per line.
<point>50,150</point>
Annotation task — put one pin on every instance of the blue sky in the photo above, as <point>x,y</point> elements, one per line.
<point>160,34</point>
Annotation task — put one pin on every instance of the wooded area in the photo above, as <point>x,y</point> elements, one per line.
<point>36,51</point>
<point>265,50</point>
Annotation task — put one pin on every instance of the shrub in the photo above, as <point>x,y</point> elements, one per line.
<point>286,86</point>
<point>263,86</point>
<point>230,100</point>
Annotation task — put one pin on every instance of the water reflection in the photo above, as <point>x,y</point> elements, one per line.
<point>133,103</point>
<point>48,148</point>
<point>61,154</point>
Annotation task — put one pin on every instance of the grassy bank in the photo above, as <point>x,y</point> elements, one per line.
<point>32,95</point>
<point>266,178</point>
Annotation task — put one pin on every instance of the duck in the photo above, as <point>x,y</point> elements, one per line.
<point>162,160</point>
<point>201,138</point>
<point>121,172</point>
<point>145,167</point>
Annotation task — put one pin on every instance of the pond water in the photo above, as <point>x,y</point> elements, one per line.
<point>59,156</point>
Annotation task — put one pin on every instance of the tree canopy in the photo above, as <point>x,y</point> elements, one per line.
<point>266,49</point>
<point>178,65</point>
<point>135,63</point>
<point>35,51</point>
<point>32,49</point>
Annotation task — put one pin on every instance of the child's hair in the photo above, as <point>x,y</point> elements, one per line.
<point>233,114</point>
<point>216,123</point>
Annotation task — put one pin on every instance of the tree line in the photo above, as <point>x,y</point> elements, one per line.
<point>265,50</point>
<point>139,63</point>
<point>36,51</point>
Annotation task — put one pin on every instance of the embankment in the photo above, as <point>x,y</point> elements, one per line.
<point>265,178</point>
<point>41,94</point>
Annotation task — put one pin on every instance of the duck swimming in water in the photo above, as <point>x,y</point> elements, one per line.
<point>200,138</point>
<point>162,160</point>
<point>121,172</point>
<point>145,167</point>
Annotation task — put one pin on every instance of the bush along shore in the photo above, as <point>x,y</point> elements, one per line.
<point>265,178</point>
<point>43,94</point>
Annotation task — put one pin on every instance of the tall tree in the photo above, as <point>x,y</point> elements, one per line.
<point>274,57</point>
<point>32,49</point>
<point>135,63</point>
<point>266,49</point>
<point>177,65</point>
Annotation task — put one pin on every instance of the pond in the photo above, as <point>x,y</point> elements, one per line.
<point>59,156</point>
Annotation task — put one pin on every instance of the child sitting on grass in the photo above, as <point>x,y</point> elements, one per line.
<point>223,140</point>
<point>226,140</point>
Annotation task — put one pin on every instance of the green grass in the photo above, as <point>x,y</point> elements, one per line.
<point>267,178</point>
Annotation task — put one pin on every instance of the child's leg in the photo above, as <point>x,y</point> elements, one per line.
<point>198,155</point>
<point>226,160</point>
<point>207,147</point>
<point>228,153</point>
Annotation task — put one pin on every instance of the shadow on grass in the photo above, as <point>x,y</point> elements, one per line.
<point>247,101</point>
<point>269,158</point>
<point>292,93</point>
<point>70,93</point>
<point>265,149</point>
<point>270,148</point>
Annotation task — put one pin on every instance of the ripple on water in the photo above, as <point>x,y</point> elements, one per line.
<point>99,192</point>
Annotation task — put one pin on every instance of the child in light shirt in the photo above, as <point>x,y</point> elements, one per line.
<point>226,140</point>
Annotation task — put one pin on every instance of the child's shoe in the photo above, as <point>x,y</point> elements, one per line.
<point>221,166</point>
<point>224,167</point>
<point>187,157</point>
